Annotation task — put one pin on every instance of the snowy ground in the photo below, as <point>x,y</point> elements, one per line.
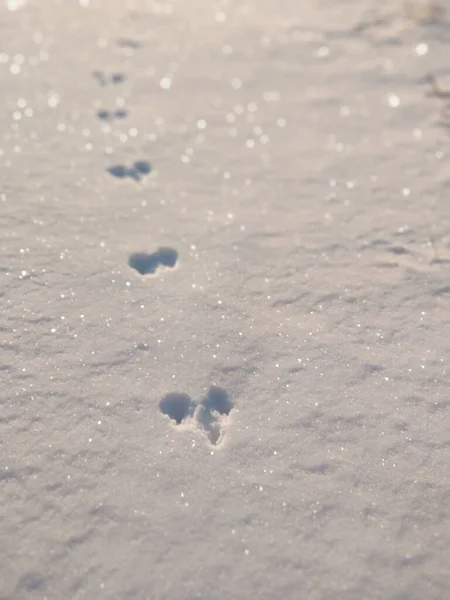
<point>225,284</point>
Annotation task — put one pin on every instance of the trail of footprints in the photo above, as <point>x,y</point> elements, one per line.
<point>143,263</point>
<point>211,414</point>
<point>140,168</point>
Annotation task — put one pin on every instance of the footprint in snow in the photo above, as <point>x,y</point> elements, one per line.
<point>129,43</point>
<point>108,78</point>
<point>148,264</point>
<point>111,115</point>
<point>210,415</point>
<point>137,171</point>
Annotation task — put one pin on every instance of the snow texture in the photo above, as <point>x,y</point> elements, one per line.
<point>225,286</point>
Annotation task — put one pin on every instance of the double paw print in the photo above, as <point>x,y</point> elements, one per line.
<point>136,171</point>
<point>211,414</point>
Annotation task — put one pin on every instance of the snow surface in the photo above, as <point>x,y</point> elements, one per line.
<point>225,300</point>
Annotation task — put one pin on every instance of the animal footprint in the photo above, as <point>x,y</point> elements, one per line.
<point>210,415</point>
<point>108,78</point>
<point>212,412</point>
<point>136,172</point>
<point>129,43</point>
<point>148,264</point>
<point>177,406</point>
<point>110,115</point>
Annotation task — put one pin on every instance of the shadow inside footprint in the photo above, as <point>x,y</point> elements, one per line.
<point>147,264</point>
<point>119,171</point>
<point>217,399</point>
<point>177,406</point>
<point>104,115</point>
<point>142,167</point>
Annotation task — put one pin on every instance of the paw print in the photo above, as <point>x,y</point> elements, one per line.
<point>210,415</point>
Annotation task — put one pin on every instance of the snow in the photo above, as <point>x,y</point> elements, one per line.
<point>225,299</point>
